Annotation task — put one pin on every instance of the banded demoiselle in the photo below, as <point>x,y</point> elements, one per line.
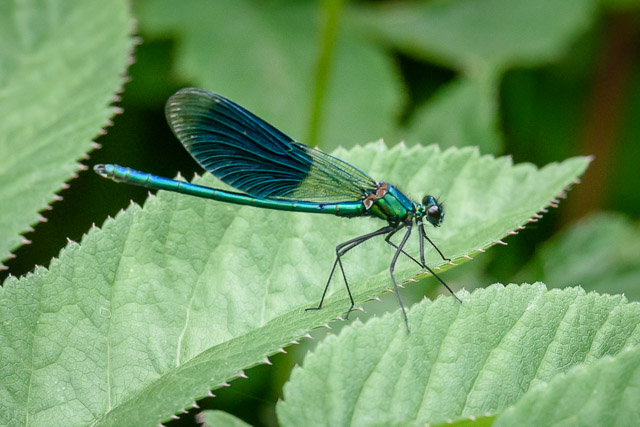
<point>274,171</point>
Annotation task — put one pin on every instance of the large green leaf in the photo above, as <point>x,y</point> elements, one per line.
<point>460,360</point>
<point>219,418</point>
<point>606,393</point>
<point>273,74</point>
<point>58,76</point>
<point>465,112</point>
<point>477,34</point>
<point>168,301</point>
<point>600,253</point>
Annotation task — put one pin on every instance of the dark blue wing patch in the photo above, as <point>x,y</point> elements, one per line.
<point>252,156</point>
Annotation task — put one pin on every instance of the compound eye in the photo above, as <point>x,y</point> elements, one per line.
<point>435,215</point>
<point>428,200</point>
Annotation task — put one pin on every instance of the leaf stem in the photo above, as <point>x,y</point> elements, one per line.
<point>332,11</point>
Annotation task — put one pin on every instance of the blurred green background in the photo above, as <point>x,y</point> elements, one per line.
<point>539,81</point>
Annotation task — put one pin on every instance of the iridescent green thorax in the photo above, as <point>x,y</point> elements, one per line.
<point>388,203</point>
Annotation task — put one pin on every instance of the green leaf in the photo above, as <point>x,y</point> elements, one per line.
<point>472,34</point>
<point>605,393</point>
<point>273,74</point>
<point>58,76</point>
<point>220,418</point>
<point>485,421</point>
<point>171,300</point>
<point>600,253</point>
<point>459,360</point>
<point>464,113</point>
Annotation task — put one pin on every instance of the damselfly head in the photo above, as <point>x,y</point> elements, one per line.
<point>101,170</point>
<point>434,210</point>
